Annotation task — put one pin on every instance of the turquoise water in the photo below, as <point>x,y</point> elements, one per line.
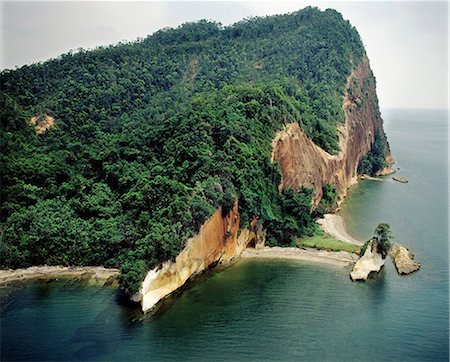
<point>272,309</point>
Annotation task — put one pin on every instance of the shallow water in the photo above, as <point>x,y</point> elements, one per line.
<point>273,309</point>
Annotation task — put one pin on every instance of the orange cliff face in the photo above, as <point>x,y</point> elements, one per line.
<point>302,163</point>
<point>219,240</point>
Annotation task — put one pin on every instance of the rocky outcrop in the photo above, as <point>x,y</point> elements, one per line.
<point>96,274</point>
<point>219,240</point>
<point>388,170</point>
<point>42,123</point>
<point>302,163</point>
<point>403,260</point>
<point>371,262</point>
<point>400,179</point>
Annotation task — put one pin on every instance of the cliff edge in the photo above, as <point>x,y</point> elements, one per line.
<point>302,163</point>
<point>220,239</point>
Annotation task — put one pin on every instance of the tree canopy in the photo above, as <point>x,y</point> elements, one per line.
<point>383,236</point>
<point>375,159</point>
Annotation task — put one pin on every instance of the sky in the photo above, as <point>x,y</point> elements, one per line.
<point>407,42</point>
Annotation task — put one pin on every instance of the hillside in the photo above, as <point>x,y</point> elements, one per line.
<point>118,156</point>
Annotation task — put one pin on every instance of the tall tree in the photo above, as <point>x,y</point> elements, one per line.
<point>383,236</point>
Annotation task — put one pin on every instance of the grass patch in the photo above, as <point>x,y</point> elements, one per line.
<point>326,242</point>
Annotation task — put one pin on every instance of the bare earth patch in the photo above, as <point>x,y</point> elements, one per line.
<point>42,123</point>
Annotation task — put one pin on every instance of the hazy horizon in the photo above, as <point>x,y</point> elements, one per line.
<point>406,42</point>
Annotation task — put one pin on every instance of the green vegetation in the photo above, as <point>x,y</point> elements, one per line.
<point>375,160</point>
<point>328,202</point>
<point>364,247</point>
<point>383,236</point>
<point>325,241</point>
<point>151,137</point>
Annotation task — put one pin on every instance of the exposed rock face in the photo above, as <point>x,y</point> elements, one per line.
<point>42,123</point>
<point>370,262</point>
<point>304,163</point>
<point>403,260</point>
<point>400,179</point>
<point>388,170</point>
<point>219,240</point>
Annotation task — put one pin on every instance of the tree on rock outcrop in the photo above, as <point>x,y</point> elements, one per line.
<point>383,236</point>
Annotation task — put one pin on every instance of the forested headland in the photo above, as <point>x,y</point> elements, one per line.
<point>116,156</point>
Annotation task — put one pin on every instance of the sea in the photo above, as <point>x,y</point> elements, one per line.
<point>274,309</point>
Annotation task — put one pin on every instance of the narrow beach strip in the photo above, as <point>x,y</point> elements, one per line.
<point>97,273</point>
<point>341,258</point>
<point>372,178</point>
<point>334,225</point>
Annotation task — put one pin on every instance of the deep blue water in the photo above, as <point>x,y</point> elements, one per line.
<point>272,309</point>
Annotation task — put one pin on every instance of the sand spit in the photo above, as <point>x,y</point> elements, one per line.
<point>341,258</point>
<point>95,273</point>
<point>334,225</point>
<point>371,178</point>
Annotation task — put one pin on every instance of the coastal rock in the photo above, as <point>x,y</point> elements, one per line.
<point>388,170</point>
<point>220,240</point>
<point>403,260</point>
<point>403,180</point>
<point>385,171</point>
<point>95,274</point>
<point>370,262</point>
<point>136,297</point>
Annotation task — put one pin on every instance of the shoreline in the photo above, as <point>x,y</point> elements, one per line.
<point>339,258</point>
<point>333,224</point>
<point>372,178</point>
<point>94,273</point>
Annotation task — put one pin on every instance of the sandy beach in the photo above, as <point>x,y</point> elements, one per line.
<point>334,225</point>
<point>341,258</point>
<point>48,272</point>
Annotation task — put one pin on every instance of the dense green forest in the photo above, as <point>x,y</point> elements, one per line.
<point>151,137</point>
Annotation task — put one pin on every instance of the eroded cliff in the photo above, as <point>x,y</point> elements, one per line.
<point>302,163</point>
<point>219,240</point>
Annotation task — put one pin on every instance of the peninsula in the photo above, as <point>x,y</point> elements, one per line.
<point>165,156</point>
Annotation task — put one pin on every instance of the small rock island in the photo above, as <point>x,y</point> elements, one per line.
<point>374,254</point>
<point>400,179</point>
<point>371,262</point>
<point>403,260</point>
